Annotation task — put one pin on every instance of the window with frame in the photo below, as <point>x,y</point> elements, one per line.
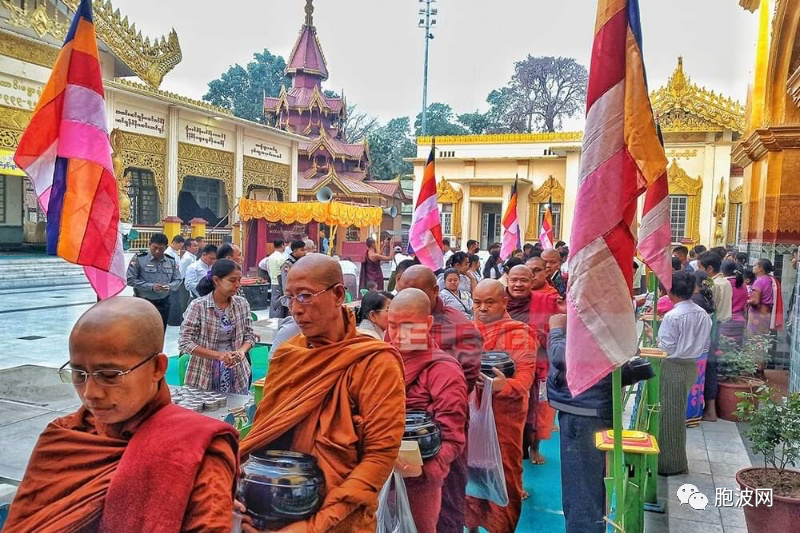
<point>446,218</point>
<point>144,197</point>
<point>737,221</point>
<point>2,199</point>
<point>555,211</point>
<point>353,234</point>
<point>678,208</point>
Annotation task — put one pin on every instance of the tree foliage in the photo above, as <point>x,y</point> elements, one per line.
<point>242,89</point>
<point>441,120</point>
<point>358,126</point>
<point>388,145</point>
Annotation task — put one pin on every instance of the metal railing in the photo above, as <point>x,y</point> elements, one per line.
<point>142,242</point>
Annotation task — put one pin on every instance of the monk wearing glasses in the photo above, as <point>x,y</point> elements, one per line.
<point>128,459</point>
<point>334,394</point>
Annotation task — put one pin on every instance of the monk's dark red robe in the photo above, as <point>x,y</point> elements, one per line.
<point>435,384</point>
<point>510,407</point>
<point>166,469</point>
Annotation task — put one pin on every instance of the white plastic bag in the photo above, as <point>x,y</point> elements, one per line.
<point>394,514</point>
<point>485,477</point>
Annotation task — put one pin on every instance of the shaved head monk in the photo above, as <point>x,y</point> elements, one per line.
<point>456,335</point>
<point>333,394</point>
<point>539,270</point>
<point>509,399</point>
<point>553,262</point>
<point>535,309</point>
<point>435,384</point>
<point>128,459</point>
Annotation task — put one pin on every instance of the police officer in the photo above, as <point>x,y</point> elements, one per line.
<point>153,275</point>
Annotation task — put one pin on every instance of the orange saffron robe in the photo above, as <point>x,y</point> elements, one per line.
<point>343,403</point>
<point>510,407</point>
<point>76,458</point>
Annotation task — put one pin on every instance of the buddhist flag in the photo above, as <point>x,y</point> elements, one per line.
<point>655,233</point>
<point>65,151</point>
<point>425,234</point>
<point>546,238</point>
<point>511,239</point>
<point>622,156</point>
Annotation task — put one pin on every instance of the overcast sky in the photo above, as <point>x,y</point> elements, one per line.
<point>374,49</point>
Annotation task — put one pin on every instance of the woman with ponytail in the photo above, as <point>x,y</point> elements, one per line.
<point>734,328</point>
<point>217,332</point>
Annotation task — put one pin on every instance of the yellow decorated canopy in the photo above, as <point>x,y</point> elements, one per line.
<point>331,213</point>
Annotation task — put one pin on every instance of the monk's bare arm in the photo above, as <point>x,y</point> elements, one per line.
<point>211,503</point>
<point>380,396</point>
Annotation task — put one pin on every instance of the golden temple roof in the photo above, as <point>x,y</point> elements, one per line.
<point>149,60</point>
<point>681,106</point>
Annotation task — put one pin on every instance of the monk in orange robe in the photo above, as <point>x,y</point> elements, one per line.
<point>509,401</point>
<point>435,383</point>
<point>530,303</point>
<point>334,394</point>
<point>538,268</point>
<point>128,459</point>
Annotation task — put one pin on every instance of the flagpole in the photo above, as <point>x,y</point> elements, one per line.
<point>619,468</point>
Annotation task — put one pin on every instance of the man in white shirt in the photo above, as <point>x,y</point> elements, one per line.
<point>174,249</point>
<point>199,269</point>
<point>350,272</point>
<point>190,249</point>
<point>447,251</point>
<point>398,258</point>
<point>684,334</point>
<point>272,266</point>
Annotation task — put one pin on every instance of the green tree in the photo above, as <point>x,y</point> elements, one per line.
<point>242,89</point>
<point>388,145</point>
<point>441,120</point>
<point>477,123</point>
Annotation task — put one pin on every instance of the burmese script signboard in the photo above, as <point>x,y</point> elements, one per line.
<point>205,135</point>
<point>266,150</point>
<point>19,93</point>
<point>140,120</point>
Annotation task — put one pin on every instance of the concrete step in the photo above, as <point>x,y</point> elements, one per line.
<point>38,271</point>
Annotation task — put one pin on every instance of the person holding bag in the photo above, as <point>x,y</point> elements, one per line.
<point>217,331</point>
<point>435,383</point>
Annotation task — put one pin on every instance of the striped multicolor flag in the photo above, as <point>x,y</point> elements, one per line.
<point>425,234</point>
<point>655,233</point>
<point>66,152</point>
<point>622,156</point>
<point>511,238</point>
<point>546,237</point>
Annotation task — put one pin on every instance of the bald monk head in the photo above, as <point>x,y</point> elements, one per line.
<point>520,281</point>
<point>538,269</point>
<point>410,320</point>
<point>315,290</point>
<point>118,335</point>
<point>552,260</point>
<point>422,278</point>
<point>489,300</point>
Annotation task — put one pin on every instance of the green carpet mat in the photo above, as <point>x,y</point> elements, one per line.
<point>541,512</point>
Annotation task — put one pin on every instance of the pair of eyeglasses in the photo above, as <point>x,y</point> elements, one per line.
<point>303,298</point>
<point>537,270</point>
<point>108,377</point>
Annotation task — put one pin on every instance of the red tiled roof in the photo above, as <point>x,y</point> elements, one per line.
<point>300,97</point>
<point>337,147</point>
<point>307,54</point>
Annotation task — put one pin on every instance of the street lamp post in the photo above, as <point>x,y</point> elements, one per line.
<point>427,21</point>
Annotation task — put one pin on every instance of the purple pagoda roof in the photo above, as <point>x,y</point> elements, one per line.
<point>307,54</point>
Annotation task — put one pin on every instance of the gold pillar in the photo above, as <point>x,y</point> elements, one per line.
<point>172,227</point>
<point>198,227</point>
<point>762,61</point>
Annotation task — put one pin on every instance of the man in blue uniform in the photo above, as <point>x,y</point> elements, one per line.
<point>154,275</point>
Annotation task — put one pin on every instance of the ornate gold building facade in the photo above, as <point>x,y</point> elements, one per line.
<point>176,156</point>
<point>475,173</point>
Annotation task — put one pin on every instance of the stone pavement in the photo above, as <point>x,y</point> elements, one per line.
<point>34,329</point>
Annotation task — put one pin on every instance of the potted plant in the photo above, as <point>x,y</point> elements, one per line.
<point>737,367</point>
<point>775,434</point>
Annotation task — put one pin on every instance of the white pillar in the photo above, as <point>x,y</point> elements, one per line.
<point>238,172</point>
<point>293,175</point>
<point>571,177</point>
<point>171,196</point>
<point>708,193</point>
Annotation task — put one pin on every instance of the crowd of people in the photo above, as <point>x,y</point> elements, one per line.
<point>340,383</point>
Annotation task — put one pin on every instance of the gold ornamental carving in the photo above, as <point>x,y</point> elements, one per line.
<point>206,163</point>
<point>123,178</point>
<point>550,190</point>
<point>447,194</point>
<point>504,138</point>
<point>750,5</point>
<point>27,50</point>
<point>486,191</point>
<point>38,19</point>
<point>258,172</point>
<point>682,106</point>
<point>736,195</point>
<point>12,123</point>
<point>719,214</point>
<point>141,151</point>
<point>680,184</point>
